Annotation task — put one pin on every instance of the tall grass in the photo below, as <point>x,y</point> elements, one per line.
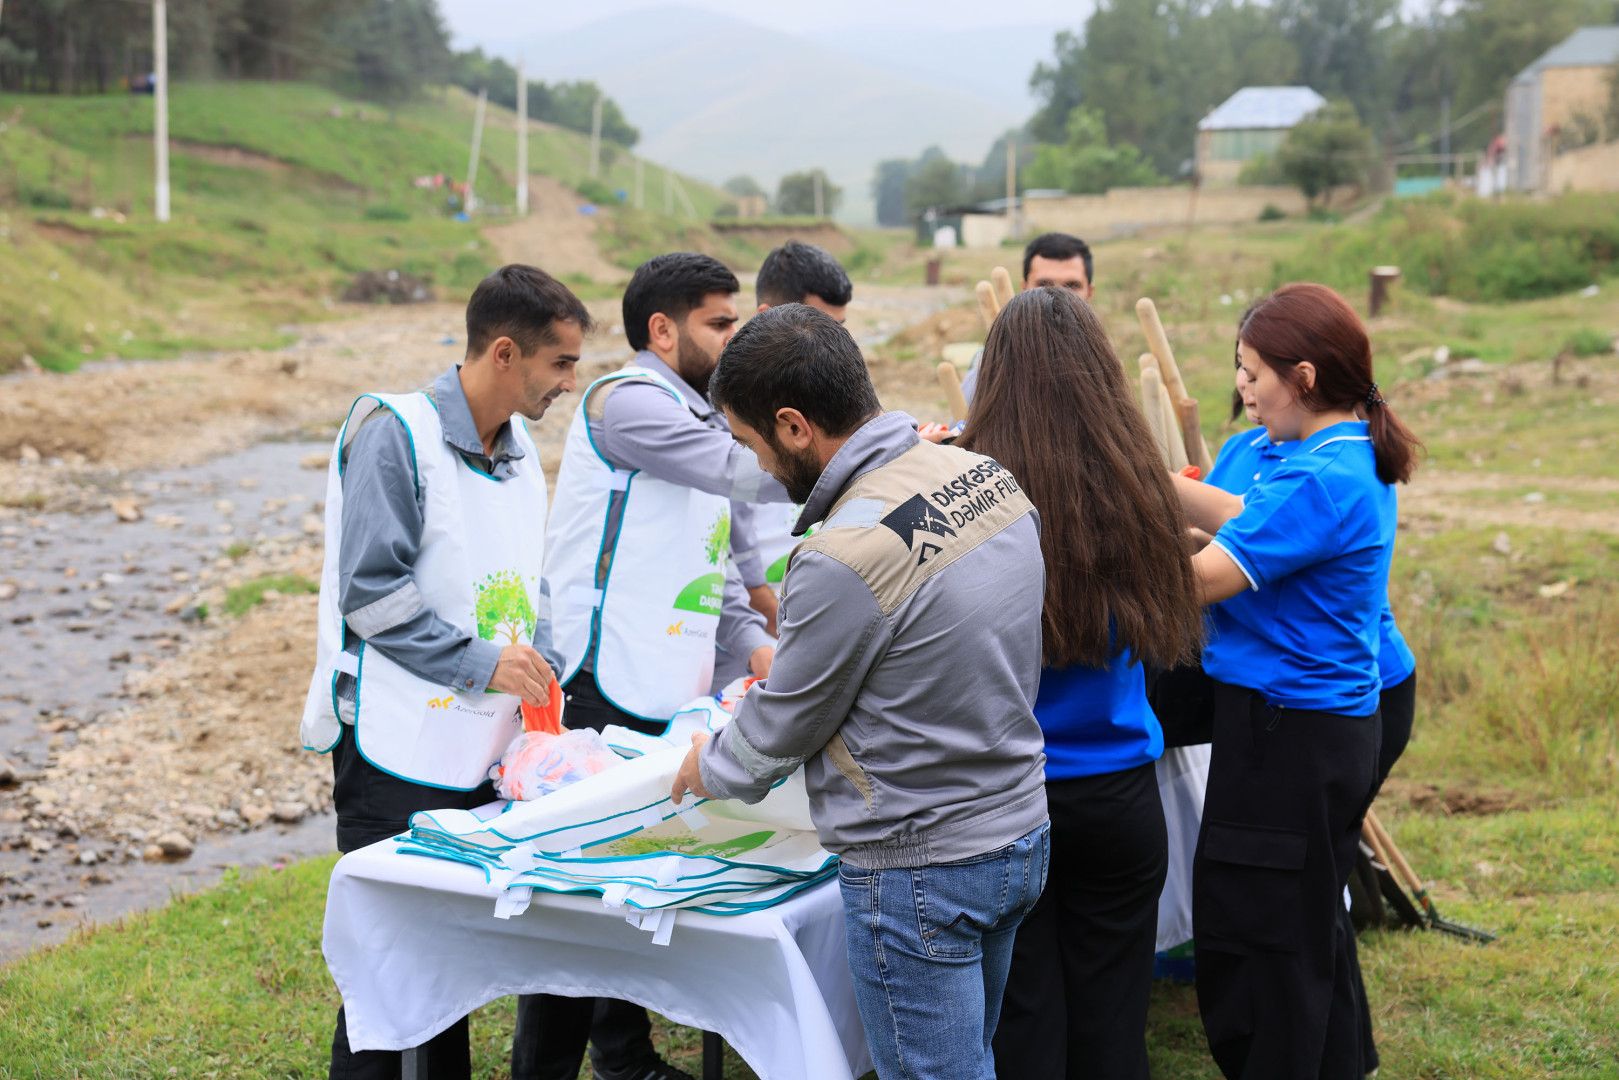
<point>1531,695</point>
<point>1469,248</point>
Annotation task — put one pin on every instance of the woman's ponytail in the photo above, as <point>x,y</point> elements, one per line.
<point>1394,444</point>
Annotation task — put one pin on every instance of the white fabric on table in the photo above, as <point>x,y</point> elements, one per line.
<point>413,946</point>
<point>1183,774</point>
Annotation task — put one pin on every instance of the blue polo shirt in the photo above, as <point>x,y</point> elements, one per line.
<point>1096,719</point>
<point>1314,540</point>
<point>1248,458</point>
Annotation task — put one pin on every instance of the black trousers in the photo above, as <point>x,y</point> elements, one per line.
<point>1076,997</point>
<point>1398,706</point>
<point>371,806</point>
<point>1278,981</point>
<point>549,1043</point>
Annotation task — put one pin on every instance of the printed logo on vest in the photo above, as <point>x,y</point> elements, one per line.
<point>917,515</point>
<point>718,540</point>
<point>705,596</point>
<point>502,609</point>
<point>441,702</point>
<point>976,492</point>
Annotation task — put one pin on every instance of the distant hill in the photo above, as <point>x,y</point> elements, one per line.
<point>715,96</point>
<point>992,64</point>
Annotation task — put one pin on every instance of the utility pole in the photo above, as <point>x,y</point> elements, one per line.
<point>1012,214</point>
<point>640,184</point>
<point>596,139</point>
<point>522,138</point>
<point>477,149</point>
<point>1444,134</point>
<point>160,106</point>
<point>819,205</point>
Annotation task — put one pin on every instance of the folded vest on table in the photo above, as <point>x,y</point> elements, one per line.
<point>618,835</point>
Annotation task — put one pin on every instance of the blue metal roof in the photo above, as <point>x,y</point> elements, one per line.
<point>1589,46</point>
<point>1263,107</point>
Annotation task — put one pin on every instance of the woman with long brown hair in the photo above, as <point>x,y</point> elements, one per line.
<point>1296,576</point>
<point>1054,407</point>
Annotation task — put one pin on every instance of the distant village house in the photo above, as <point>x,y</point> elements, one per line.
<point>1251,122</point>
<point>1557,118</point>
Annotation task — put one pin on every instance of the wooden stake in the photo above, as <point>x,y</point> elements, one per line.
<point>950,383</point>
<point>987,306</point>
<point>1003,286</point>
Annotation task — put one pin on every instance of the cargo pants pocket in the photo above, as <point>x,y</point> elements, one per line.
<point>1249,890</point>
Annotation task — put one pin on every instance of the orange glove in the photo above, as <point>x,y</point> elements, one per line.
<point>547,719</point>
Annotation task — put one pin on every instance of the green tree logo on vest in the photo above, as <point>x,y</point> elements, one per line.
<point>719,538</point>
<point>706,594</point>
<point>502,609</point>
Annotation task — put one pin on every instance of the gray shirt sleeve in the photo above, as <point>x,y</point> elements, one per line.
<point>745,545</point>
<point>381,539</point>
<point>741,629</point>
<point>642,427</point>
<point>832,635</point>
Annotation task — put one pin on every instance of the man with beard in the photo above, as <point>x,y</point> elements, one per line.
<point>909,664</point>
<point>432,497</point>
<point>795,273</point>
<point>636,556</point>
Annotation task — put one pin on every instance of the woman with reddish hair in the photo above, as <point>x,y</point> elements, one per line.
<point>1296,577</point>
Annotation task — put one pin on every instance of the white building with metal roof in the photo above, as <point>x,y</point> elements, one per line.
<point>1251,122</point>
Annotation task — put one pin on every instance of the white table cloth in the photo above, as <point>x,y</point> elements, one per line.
<point>413,945</point>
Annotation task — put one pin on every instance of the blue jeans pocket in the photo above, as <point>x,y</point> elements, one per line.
<point>957,903</point>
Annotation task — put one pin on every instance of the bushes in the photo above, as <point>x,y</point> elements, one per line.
<point>1472,250</point>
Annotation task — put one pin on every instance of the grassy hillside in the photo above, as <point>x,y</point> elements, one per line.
<point>281,191</point>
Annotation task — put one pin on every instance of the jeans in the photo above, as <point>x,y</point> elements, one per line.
<point>929,948</point>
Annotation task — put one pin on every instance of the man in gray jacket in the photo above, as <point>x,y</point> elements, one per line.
<point>904,681</point>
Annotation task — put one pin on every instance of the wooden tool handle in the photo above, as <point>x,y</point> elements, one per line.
<point>1152,405</point>
<point>950,383</point>
<point>1158,342</point>
<point>1002,281</point>
<point>1197,451</point>
<point>1149,362</point>
<point>1387,843</point>
<point>1178,459</point>
<point>988,307</point>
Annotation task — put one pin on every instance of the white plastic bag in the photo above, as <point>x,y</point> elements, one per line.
<point>538,763</point>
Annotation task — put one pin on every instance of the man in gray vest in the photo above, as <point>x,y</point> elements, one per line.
<point>904,682</point>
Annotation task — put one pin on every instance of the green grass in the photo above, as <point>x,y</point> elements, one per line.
<point>242,598</point>
<point>225,983</point>
<point>1471,249</point>
<point>281,191</point>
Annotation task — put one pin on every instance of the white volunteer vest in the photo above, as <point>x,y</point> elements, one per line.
<point>657,611</point>
<point>773,528</point>
<point>479,568</point>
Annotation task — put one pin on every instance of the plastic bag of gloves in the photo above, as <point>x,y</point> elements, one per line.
<point>538,763</point>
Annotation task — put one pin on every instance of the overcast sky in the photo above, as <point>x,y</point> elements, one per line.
<point>483,20</point>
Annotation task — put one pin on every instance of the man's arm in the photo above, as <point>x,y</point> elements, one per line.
<point>377,593</point>
<point>642,427</point>
<point>742,630</point>
<point>832,634</point>
<point>745,545</point>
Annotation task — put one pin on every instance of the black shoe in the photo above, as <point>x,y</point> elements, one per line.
<point>652,1068</point>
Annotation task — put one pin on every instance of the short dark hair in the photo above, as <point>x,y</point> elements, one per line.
<point>523,303</point>
<point>672,285</point>
<point>796,271</point>
<point>1059,247</point>
<point>794,356</point>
